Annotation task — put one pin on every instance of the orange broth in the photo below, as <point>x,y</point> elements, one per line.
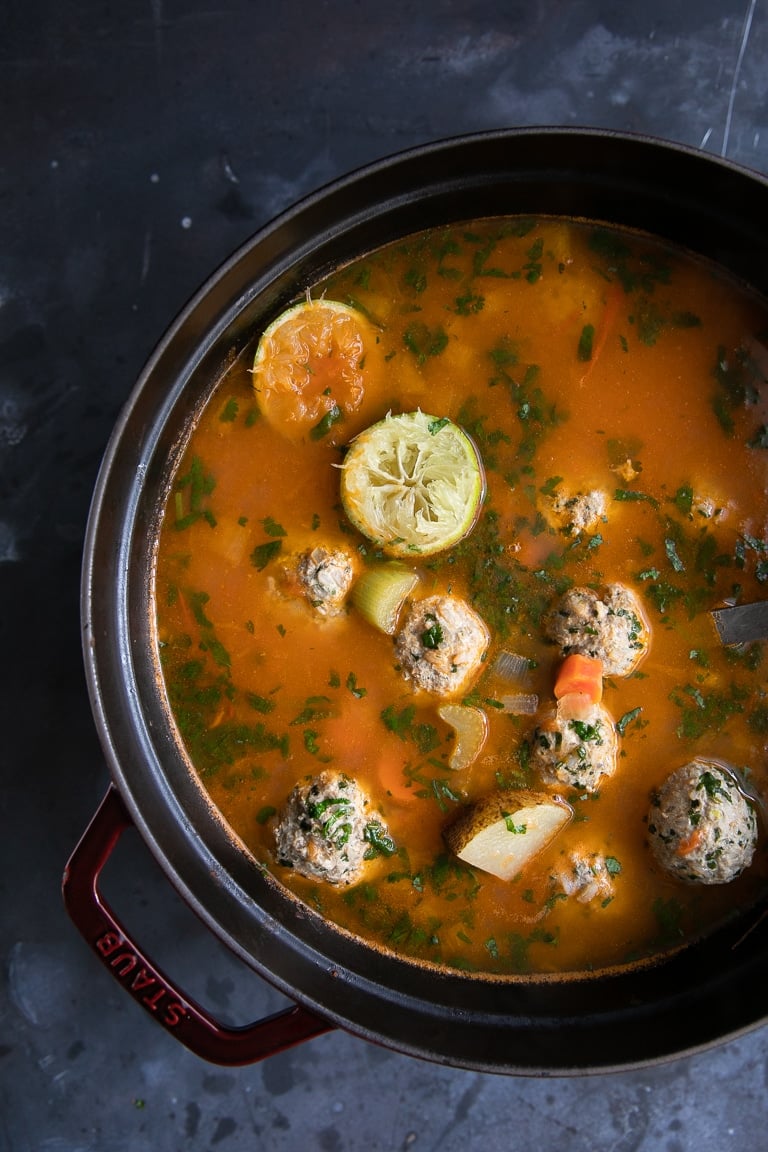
<point>565,350</point>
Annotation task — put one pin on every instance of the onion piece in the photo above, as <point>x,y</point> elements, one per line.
<point>380,593</point>
<point>510,666</point>
<point>575,706</point>
<point>520,704</point>
<point>471,728</point>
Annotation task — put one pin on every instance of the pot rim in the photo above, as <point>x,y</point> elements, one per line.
<point>525,1026</point>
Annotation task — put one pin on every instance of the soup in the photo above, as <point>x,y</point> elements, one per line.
<point>603,396</point>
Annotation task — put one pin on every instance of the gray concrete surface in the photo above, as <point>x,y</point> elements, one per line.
<point>140,143</point>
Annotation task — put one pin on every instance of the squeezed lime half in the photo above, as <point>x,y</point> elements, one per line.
<point>308,369</point>
<point>413,483</point>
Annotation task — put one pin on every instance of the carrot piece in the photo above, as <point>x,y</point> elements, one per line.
<point>685,847</point>
<point>582,674</point>
<point>609,317</point>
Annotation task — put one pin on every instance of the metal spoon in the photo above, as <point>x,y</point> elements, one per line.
<point>742,623</point>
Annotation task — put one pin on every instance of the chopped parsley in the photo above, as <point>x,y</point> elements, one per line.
<point>258,703</point>
<point>436,425</point>
<point>379,841</point>
<point>332,817</point>
<point>263,554</point>
<point>333,416</point>
<point>469,303</point>
<point>404,724</point>
<point>586,341</point>
<point>315,708</point>
<point>704,712</point>
<point>432,637</point>
<point>533,265</point>
<point>354,687</point>
<point>424,342</point>
<point>272,528</point>
<point>190,493</point>
<point>738,384</point>
<point>628,718</point>
<point>632,495</point>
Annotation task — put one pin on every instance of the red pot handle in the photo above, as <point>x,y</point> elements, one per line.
<point>182,1017</point>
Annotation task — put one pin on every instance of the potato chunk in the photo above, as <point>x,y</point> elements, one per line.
<point>503,831</point>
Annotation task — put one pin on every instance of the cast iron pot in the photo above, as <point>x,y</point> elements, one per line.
<point>704,994</point>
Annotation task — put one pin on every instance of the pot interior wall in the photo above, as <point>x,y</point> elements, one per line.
<point>694,999</point>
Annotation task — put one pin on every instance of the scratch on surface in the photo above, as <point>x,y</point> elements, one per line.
<point>9,548</point>
<point>146,256</point>
<point>737,70</point>
<point>461,1111</point>
<point>157,24</point>
<point>228,170</point>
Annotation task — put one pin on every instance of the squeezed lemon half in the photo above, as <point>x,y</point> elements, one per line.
<point>413,483</point>
<point>307,371</point>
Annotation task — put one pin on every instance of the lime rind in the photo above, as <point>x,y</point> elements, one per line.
<point>310,335</point>
<point>413,483</point>
<point>298,321</point>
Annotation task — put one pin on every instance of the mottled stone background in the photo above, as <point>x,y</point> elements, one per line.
<point>140,144</point>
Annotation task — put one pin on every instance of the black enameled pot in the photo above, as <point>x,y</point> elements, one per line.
<point>706,993</point>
